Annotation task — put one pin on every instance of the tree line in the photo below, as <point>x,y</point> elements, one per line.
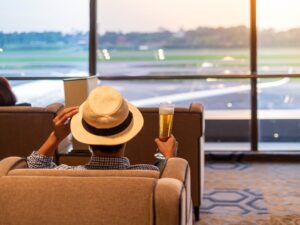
<point>42,40</point>
<point>201,37</point>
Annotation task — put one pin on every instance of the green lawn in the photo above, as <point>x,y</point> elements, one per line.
<point>237,57</point>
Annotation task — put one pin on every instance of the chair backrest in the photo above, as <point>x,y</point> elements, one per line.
<point>24,128</point>
<point>88,197</point>
<point>187,128</point>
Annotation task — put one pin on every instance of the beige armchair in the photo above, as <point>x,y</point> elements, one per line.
<point>94,197</point>
<point>24,128</point>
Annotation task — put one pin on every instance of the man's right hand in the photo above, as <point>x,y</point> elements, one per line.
<point>167,148</point>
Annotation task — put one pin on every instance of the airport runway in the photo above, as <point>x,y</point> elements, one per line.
<point>214,94</point>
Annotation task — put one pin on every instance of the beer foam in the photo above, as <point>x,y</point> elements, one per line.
<point>166,110</point>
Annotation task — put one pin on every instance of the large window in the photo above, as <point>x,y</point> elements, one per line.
<point>180,51</point>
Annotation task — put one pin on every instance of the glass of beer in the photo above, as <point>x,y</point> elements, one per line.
<point>166,114</point>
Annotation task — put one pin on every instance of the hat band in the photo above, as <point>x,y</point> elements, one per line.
<point>108,131</point>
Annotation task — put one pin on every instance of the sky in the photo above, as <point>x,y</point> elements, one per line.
<point>144,15</point>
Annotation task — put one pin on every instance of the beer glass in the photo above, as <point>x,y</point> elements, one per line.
<point>166,113</point>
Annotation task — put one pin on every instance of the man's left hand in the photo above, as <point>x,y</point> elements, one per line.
<point>62,123</point>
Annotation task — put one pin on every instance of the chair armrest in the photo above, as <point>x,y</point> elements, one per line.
<point>11,163</point>
<point>170,202</point>
<point>54,107</point>
<point>178,168</point>
<point>196,107</point>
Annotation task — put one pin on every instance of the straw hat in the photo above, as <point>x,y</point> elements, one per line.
<point>106,118</point>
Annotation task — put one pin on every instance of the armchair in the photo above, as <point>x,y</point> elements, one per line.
<point>90,197</point>
<point>24,128</point>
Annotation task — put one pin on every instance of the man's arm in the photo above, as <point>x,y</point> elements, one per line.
<point>42,158</point>
<point>61,131</point>
<point>168,149</point>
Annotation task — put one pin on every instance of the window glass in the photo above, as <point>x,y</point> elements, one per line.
<point>44,38</point>
<point>278,36</point>
<point>173,37</point>
<point>279,114</point>
<point>38,93</point>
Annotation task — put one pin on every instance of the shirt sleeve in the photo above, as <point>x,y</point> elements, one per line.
<point>38,161</point>
<point>160,164</point>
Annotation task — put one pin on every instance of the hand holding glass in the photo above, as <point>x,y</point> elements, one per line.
<point>166,114</point>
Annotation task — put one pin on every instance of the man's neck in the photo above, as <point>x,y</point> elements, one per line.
<point>115,154</point>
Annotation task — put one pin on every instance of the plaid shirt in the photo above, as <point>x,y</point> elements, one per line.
<point>36,160</point>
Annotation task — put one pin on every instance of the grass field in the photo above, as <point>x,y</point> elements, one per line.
<point>204,60</point>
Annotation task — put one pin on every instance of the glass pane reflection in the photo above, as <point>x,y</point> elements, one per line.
<point>39,93</point>
<point>279,114</point>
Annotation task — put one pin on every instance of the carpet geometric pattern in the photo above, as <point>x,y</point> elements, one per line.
<point>237,193</point>
<point>228,166</point>
<point>230,200</point>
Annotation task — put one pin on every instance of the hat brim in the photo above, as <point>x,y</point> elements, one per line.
<point>84,136</point>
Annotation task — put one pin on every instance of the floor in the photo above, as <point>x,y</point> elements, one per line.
<point>240,193</point>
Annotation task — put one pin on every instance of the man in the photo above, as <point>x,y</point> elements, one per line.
<point>106,122</point>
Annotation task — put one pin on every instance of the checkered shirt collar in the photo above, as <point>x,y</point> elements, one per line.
<point>108,163</point>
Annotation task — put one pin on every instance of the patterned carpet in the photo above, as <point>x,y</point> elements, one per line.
<point>251,193</point>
